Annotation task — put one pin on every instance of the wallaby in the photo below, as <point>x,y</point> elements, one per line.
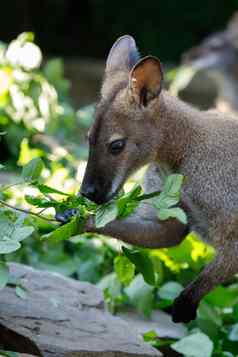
<point>138,123</point>
<point>218,56</point>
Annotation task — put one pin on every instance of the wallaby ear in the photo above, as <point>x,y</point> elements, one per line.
<point>146,80</point>
<point>123,55</point>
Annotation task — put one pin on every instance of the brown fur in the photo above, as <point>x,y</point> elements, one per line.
<point>172,137</point>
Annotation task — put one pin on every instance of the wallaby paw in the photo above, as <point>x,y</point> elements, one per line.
<point>64,217</point>
<point>184,309</point>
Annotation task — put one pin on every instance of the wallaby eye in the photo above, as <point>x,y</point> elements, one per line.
<point>116,146</point>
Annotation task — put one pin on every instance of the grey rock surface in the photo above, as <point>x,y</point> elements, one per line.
<point>61,317</point>
<point>159,321</point>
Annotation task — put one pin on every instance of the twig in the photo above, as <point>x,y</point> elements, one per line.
<point>27,212</point>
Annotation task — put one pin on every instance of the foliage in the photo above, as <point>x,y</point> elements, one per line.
<point>129,276</point>
<point>34,101</point>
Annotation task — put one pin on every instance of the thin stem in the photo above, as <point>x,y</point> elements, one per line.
<point>148,196</point>
<point>27,212</point>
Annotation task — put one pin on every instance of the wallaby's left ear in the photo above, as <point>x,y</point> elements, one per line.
<point>146,79</point>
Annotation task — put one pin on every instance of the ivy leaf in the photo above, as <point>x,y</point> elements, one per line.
<point>64,232</point>
<point>124,269</point>
<point>105,214</point>
<point>4,274</point>
<point>143,263</point>
<point>175,212</point>
<point>195,345</point>
<point>32,170</point>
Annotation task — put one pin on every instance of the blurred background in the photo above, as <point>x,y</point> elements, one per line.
<point>82,31</point>
<point>52,57</point>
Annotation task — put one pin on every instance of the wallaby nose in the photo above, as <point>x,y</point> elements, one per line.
<point>88,191</point>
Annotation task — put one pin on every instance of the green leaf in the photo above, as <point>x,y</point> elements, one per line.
<point>105,214</point>
<point>21,292</point>
<point>39,201</point>
<point>9,354</point>
<point>22,233</point>
<point>46,190</point>
<point>143,263</point>
<point>124,269</point>
<point>4,274</point>
<point>32,170</point>
<point>233,335</point>
<point>223,296</point>
<point>141,295</point>
<point>150,336</point>
<point>64,232</point>
<point>8,245</point>
<point>168,198</point>
<point>208,312</point>
<point>128,203</point>
<point>175,212</point>
<point>173,184</point>
<point>170,290</point>
<point>235,312</point>
<point>195,345</point>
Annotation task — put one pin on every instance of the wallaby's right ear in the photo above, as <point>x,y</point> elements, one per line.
<point>123,55</point>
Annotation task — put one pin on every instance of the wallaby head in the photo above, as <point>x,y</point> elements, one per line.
<point>218,52</point>
<point>123,136</point>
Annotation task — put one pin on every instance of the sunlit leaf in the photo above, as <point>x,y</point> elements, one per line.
<point>32,170</point>
<point>63,232</point>
<point>46,190</point>
<point>124,269</point>
<point>143,263</point>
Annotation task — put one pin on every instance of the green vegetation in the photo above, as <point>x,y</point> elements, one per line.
<point>38,132</point>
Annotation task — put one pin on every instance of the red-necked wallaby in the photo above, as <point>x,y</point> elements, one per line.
<point>218,56</point>
<point>138,123</point>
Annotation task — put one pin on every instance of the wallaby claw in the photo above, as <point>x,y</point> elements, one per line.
<point>64,217</point>
<point>184,309</point>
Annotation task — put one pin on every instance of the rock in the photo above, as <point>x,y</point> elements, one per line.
<point>159,321</point>
<point>62,317</point>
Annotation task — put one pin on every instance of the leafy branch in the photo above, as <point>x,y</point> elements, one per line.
<point>3,203</point>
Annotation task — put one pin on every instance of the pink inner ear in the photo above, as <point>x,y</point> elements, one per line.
<point>146,80</point>
<point>123,55</point>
